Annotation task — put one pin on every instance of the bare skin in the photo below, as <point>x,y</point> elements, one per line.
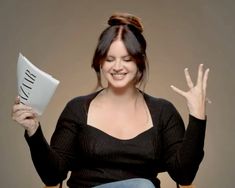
<point>196,95</point>
<point>127,117</point>
<point>25,116</point>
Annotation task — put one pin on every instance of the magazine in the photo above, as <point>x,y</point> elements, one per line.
<point>35,87</point>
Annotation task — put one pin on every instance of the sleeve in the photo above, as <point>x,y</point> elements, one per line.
<point>183,150</point>
<point>53,161</point>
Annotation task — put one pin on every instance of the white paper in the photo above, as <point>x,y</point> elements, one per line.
<point>35,87</point>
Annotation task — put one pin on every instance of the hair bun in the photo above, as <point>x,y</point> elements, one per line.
<point>125,19</point>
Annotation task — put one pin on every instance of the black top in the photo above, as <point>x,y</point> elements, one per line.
<point>94,157</point>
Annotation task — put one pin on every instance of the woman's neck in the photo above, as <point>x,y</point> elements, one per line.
<point>120,96</point>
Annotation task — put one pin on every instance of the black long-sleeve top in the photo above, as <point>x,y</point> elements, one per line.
<point>94,157</point>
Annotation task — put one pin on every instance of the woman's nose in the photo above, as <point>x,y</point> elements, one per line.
<point>118,65</point>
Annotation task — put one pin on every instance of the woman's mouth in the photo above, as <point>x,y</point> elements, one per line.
<point>118,76</point>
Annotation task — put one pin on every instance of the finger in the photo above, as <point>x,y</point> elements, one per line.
<point>17,100</point>
<point>20,107</point>
<point>22,117</point>
<point>200,75</point>
<point>180,92</point>
<point>188,78</point>
<point>205,78</point>
<point>18,114</point>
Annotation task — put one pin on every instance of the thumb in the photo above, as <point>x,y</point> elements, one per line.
<point>180,92</point>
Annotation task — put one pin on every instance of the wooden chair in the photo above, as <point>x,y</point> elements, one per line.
<point>187,186</point>
<point>180,186</point>
<point>56,186</point>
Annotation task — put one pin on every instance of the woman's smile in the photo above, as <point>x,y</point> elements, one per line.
<point>119,69</point>
<point>118,76</point>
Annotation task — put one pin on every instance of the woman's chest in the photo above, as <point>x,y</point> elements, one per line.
<point>100,148</point>
<point>123,122</point>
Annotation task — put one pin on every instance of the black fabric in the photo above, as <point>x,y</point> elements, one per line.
<point>95,157</point>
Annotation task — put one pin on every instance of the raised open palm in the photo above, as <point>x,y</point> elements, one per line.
<point>196,95</point>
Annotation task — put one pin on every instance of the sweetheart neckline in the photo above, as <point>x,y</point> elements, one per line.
<point>120,139</point>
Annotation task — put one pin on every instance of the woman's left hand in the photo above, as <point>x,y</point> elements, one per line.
<point>196,95</point>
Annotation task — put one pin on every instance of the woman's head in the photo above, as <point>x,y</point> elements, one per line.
<point>128,29</point>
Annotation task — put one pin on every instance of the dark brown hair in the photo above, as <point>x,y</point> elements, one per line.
<point>129,28</point>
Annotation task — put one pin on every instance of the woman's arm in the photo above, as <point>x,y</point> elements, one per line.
<point>52,162</point>
<point>183,151</point>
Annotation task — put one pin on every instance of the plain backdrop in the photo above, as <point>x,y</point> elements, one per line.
<point>60,36</point>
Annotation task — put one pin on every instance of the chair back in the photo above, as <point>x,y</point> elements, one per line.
<point>186,186</point>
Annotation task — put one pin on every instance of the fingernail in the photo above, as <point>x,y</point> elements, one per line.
<point>17,101</point>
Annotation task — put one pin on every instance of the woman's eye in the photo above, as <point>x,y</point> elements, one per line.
<point>109,59</point>
<point>127,59</point>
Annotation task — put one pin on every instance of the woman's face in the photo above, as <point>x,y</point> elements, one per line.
<point>119,68</point>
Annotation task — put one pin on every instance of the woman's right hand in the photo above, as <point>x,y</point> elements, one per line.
<point>25,116</point>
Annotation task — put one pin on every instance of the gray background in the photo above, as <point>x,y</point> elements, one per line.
<point>60,36</point>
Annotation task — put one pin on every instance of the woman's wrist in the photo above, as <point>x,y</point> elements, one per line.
<point>32,129</point>
<point>201,116</point>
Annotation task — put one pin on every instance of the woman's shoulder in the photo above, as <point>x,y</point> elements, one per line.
<point>83,98</point>
<point>161,108</point>
<point>78,104</point>
<point>157,101</point>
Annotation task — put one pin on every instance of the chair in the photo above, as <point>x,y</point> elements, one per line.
<point>56,186</point>
<point>179,186</point>
<point>186,186</point>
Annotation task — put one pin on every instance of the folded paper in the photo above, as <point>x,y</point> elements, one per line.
<point>35,87</point>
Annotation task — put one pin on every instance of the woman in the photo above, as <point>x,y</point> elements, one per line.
<point>120,136</point>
